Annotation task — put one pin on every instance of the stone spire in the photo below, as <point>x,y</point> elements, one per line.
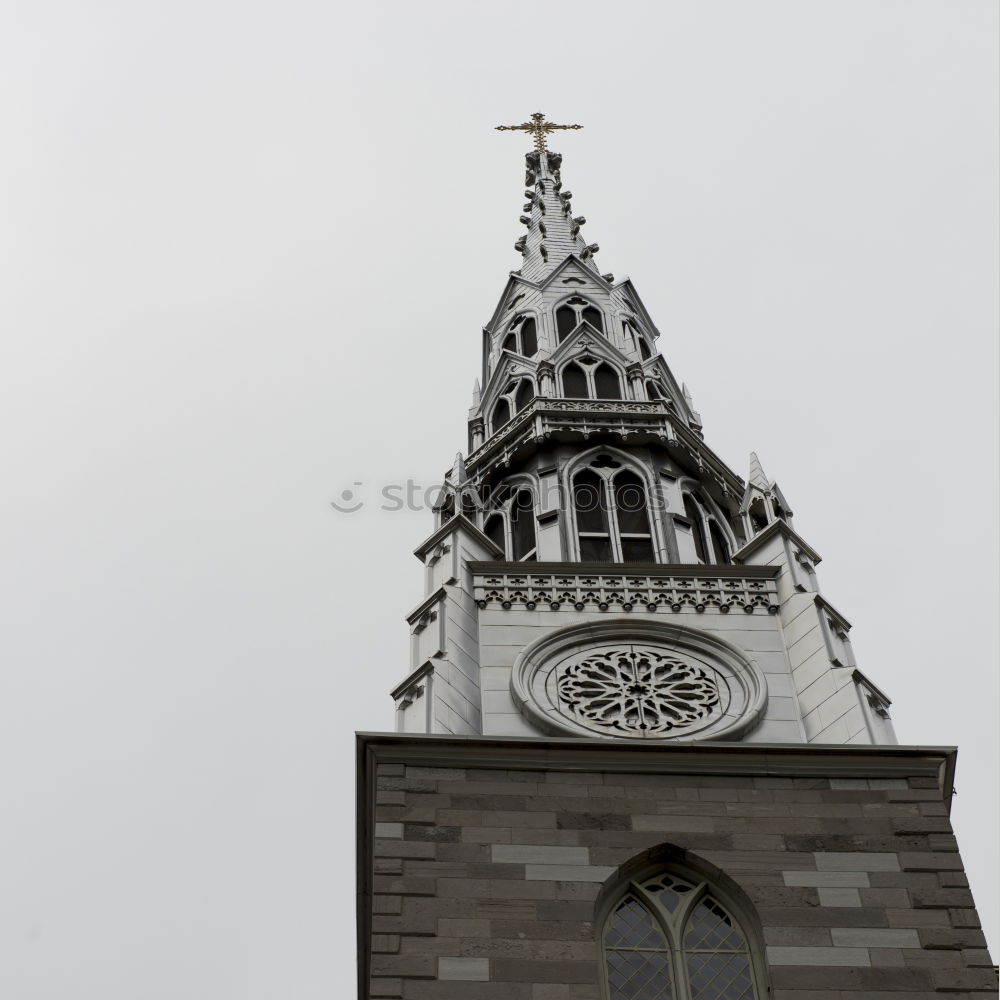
<point>756,476</point>
<point>763,500</point>
<point>553,231</point>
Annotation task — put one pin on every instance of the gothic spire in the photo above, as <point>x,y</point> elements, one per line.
<point>756,476</point>
<point>553,232</point>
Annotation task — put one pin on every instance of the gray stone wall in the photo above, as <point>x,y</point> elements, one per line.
<point>483,879</point>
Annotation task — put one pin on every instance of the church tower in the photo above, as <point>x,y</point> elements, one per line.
<point>635,757</point>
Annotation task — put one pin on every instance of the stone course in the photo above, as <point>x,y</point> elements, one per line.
<point>484,879</point>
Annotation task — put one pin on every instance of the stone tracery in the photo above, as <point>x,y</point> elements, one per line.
<point>638,689</point>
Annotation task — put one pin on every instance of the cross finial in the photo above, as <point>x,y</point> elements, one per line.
<point>538,127</point>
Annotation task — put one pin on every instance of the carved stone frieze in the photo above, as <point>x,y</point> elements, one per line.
<point>651,592</point>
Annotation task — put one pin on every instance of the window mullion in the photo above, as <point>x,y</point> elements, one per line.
<point>616,537</point>
<point>682,984</point>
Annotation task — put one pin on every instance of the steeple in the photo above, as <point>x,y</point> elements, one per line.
<point>553,231</point>
<point>590,523</point>
<point>602,591</point>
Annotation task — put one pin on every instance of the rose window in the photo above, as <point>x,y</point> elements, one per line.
<point>630,680</point>
<point>638,690</point>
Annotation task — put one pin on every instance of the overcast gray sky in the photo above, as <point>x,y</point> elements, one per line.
<point>246,254</point>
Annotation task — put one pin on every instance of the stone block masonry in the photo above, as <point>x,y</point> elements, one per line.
<point>483,863</point>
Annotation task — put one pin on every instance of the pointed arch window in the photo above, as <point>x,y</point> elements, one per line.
<point>633,519</point>
<point>495,531</point>
<point>501,414</point>
<point>607,385</point>
<point>711,542</point>
<point>575,311</point>
<point>522,526</point>
<point>694,514</point>
<point>511,523</point>
<point>515,397</point>
<point>612,515</point>
<point>592,315</point>
<point>592,525</point>
<point>673,938</point>
<point>719,543</point>
<point>589,378</point>
<point>522,337</point>
<point>566,322</point>
<point>575,384</point>
<point>759,519</point>
<point>639,342</point>
<point>529,338</point>
<point>525,394</point>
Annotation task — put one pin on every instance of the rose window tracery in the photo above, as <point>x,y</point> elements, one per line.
<point>633,680</point>
<point>638,690</point>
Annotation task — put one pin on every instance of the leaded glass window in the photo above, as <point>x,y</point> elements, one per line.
<point>670,938</point>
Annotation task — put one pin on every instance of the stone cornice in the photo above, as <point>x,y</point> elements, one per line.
<point>835,760</point>
<point>777,527</point>
<point>459,521</point>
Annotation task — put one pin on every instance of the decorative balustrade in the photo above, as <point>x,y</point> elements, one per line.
<point>648,589</point>
<point>542,418</point>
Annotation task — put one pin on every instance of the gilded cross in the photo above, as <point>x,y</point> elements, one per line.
<point>538,127</point>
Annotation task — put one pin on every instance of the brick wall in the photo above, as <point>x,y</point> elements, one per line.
<point>483,879</point>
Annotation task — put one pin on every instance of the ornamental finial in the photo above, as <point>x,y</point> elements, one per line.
<point>538,127</point>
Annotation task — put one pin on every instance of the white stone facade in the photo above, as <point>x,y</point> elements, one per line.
<point>596,570</point>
